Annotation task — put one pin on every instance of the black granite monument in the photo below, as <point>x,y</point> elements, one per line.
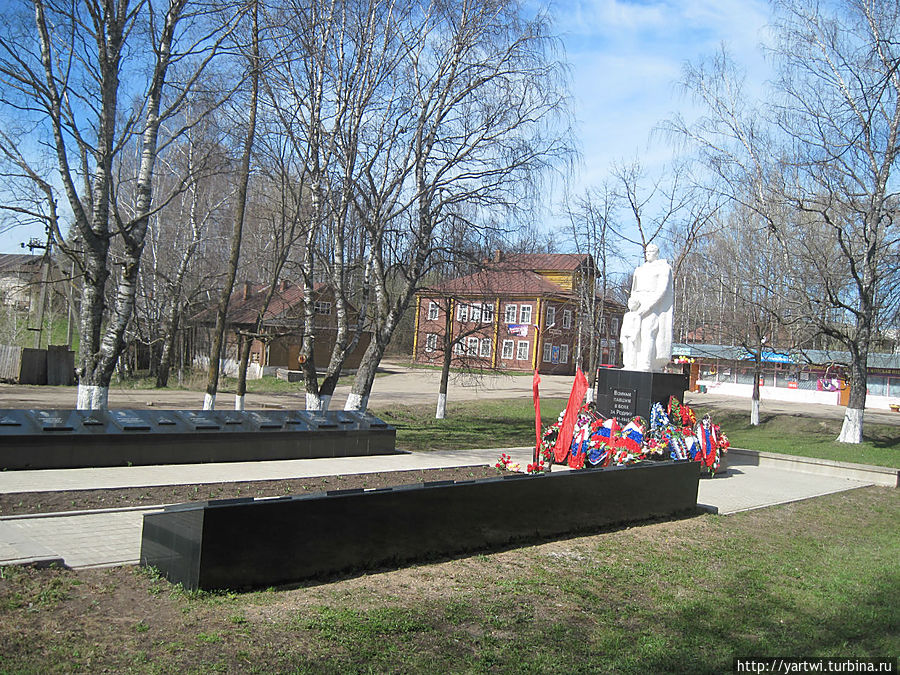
<point>625,393</point>
<point>239,543</point>
<point>62,439</point>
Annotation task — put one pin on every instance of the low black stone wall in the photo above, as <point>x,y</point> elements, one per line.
<point>251,543</point>
<point>64,439</point>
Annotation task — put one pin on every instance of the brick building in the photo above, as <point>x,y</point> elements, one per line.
<point>520,312</point>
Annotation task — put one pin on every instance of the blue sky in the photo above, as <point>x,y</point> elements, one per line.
<point>626,57</point>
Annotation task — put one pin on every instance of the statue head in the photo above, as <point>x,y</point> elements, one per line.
<point>651,253</point>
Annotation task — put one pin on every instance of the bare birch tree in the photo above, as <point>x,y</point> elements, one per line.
<point>829,152</point>
<point>591,221</point>
<point>63,70</point>
<point>334,60</point>
<point>475,121</point>
<point>240,206</point>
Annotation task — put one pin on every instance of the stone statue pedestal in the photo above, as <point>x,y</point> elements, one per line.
<point>625,393</point>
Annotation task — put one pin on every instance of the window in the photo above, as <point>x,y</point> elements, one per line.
<point>472,346</point>
<point>487,312</point>
<point>567,318</point>
<point>512,312</point>
<point>551,317</point>
<point>602,325</point>
<point>525,314</point>
<point>522,350</point>
<point>615,326</point>
<point>548,350</point>
<point>430,342</point>
<point>462,312</point>
<point>433,311</point>
<point>321,307</point>
<point>459,347</point>
<point>564,353</point>
<point>486,347</point>
<point>507,349</point>
<point>475,313</point>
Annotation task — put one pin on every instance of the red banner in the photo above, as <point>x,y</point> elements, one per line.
<point>537,416</point>
<point>564,440</point>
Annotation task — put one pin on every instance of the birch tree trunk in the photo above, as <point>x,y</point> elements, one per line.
<point>216,352</point>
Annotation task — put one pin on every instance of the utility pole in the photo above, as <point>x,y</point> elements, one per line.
<point>33,244</point>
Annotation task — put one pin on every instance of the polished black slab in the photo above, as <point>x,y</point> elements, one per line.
<point>60,439</point>
<point>625,393</point>
<point>254,543</point>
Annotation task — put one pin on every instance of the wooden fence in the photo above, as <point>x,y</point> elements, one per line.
<point>21,365</point>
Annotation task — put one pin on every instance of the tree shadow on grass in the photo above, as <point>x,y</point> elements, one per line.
<point>762,622</point>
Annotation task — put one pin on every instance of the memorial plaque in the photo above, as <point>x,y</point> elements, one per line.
<point>129,420</point>
<point>621,392</point>
<point>623,403</point>
<point>53,420</point>
<point>92,421</point>
<point>201,420</point>
<point>166,421</point>
<point>232,420</point>
<point>265,421</point>
<point>9,422</point>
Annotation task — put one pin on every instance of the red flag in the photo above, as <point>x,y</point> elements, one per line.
<point>564,439</point>
<point>537,416</point>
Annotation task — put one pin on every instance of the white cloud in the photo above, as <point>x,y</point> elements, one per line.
<point>627,58</point>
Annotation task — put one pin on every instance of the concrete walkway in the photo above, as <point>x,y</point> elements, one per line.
<point>113,537</point>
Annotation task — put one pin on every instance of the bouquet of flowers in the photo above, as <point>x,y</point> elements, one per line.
<point>673,433</point>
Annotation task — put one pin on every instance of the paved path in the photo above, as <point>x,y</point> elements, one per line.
<point>113,537</point>
<point>397,384</point>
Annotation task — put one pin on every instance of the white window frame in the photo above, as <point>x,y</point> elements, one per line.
<point>551,316</point>
<point>430,342</point>
<point>472,346</point>
<point>567,318</point>
<point>475,312</point>
<point>485,348</point>
<point>462,312</point>
<point>433,311</point>
<point>602,325</point>
<point>548,352</point>
<point>615,325</point>
<point>322,307</point>
<point>522,348</point>
<point>511,314</point>
<point>487,312</point>
<point>564,353</point>
<point>459,348</point>
<point>509,347</point>
<point>525,314</point>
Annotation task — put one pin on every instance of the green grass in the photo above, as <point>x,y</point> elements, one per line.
<point>809,437</point>
<point>499,423</point>
<point>813,578</point>
<point>196,381</point>
<point>494,423</point>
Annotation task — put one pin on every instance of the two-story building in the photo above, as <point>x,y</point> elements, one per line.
<point>519,312</point>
